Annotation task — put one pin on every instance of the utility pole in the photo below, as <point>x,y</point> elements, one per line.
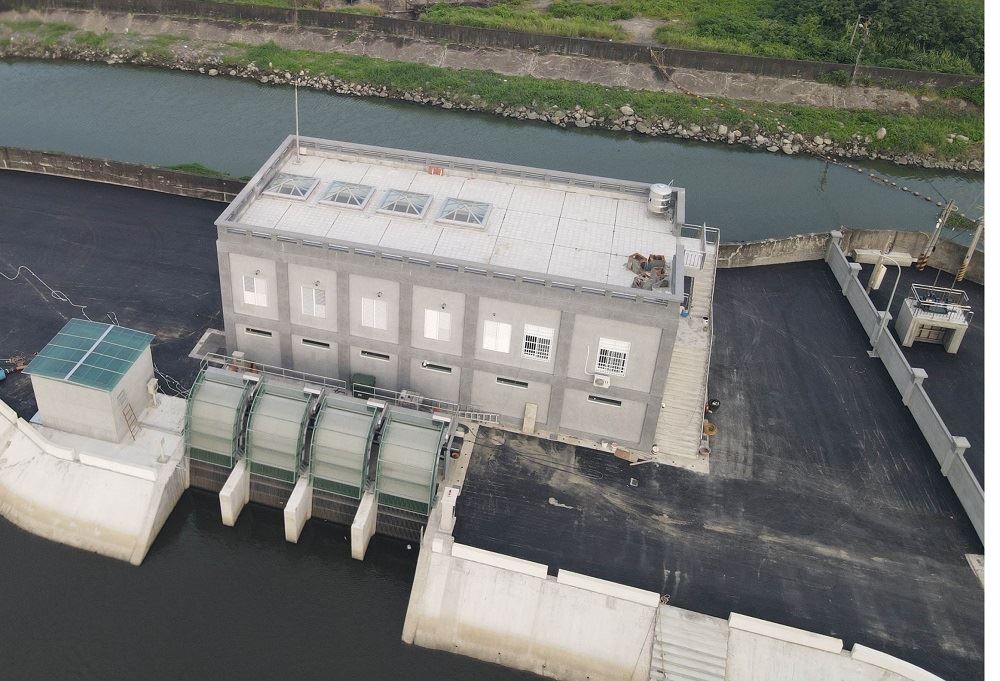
<point>864,41</point>
<point>855,31</point>
<point>935,236</point>
<point>297,145</point>
<point>968,254</point>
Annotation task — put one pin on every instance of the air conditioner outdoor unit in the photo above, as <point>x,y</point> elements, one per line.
<point>602,381</point>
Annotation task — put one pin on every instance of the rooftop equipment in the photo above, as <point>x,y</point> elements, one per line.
<point>934,315</point>
<point>341,443</point>
<point>660,198</point>
<point>411,443</point>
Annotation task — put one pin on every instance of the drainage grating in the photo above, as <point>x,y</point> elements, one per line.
<point>270,492</point>
<point>399,524</point>
<point>208,476</point>
<point>334,508</point>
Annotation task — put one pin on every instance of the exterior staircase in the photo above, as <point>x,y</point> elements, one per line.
<point>688,646</point>
<point>679,428</point>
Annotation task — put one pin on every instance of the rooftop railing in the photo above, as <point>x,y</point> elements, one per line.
<point>944,304</point>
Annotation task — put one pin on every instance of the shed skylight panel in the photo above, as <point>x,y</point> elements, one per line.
<point>291,186</point>
<point>347,194</point>
<point>405,203</point>
<point>462,212</point>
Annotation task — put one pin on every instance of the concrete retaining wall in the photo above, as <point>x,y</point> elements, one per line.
<point>764,651</point>
<point>510,611</point>
<point>49,491</point>
<point>119,173</point>
<point>947,255</point>
<point>949,450</point>
<point>484,37</point>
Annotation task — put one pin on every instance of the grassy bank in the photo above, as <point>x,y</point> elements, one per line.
<point>925,134</point>
<point>932,35</point>
<point>919,134</point>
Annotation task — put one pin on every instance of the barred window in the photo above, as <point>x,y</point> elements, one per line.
<point>537,342</point>
<point>612,357</point>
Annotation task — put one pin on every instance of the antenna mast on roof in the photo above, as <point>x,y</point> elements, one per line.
<point>297,145</point>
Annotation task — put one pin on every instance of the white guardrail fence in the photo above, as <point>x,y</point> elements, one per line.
<point>948,449</point>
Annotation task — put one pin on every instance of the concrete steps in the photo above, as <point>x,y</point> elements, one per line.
<point>688,646</point>
<point>678,430</point>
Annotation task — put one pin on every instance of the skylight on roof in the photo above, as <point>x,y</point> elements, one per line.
<point>460,211</point>
<point>290,186</point>
<point>405,203</point>
<point>347,194</point>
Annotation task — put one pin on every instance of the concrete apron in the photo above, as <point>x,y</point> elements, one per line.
<point>46,490</point>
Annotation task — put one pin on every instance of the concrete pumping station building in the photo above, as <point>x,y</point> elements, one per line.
<point>555,303</point>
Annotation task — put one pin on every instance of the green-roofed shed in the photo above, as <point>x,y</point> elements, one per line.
<point>93,379</point>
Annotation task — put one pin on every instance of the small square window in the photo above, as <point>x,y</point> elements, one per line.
<point>405,203</point>
<point>496,336</point>
<point>255,291</point>
<point>374,314</point>
<point>290,186</point>
<point>313,302</point>
<point>437,325</point>
<point>612,357</point>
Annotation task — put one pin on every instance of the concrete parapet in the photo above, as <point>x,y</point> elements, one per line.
<point>603,586</point>
<point>784,633</point>
<point>525,567</point>
<point>29,432</point>
<point>363,527</point>
<point>893,664</point>
<point>298,509</point>
<point>235,493</point>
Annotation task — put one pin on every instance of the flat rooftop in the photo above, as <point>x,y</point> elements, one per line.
<point>824,508</point>
<point>508,217</point>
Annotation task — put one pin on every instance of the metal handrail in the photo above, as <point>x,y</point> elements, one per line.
<point>250,367</point>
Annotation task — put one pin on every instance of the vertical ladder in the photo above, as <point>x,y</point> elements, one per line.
<point>130,420</point>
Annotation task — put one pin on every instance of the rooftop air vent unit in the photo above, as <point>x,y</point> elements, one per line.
<point>660,198</point>
<point>602,381</point>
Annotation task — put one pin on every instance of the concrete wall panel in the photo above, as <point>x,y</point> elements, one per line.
<point>623,423</point>
<point>508,400</point>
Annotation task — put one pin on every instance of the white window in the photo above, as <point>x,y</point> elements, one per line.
<point>537,342</point>
<point>374,313</point>
<point>313,301</point>
<point>437,325</point>
<point>255,290</point>
<point>612,357</point>
<point>496,336</point>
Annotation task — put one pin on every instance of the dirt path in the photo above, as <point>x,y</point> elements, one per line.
<point>641,29</point>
